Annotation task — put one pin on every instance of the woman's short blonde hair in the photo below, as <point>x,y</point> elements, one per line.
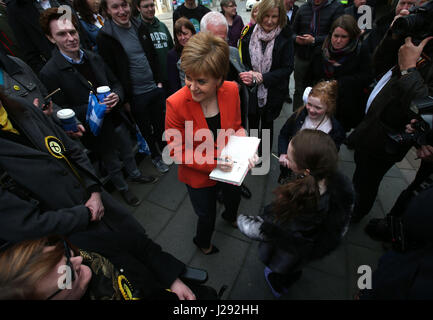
<point>266,5</point>
<point>205,54</point>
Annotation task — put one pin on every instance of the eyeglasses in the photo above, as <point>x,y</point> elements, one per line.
<point>69,264</point>
<point>150,5</point>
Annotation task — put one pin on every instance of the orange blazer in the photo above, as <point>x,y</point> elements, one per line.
<point>187,142</point>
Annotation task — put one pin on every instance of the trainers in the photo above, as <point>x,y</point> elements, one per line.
<point>143,179</point>
<point>160,165</point>
<point>130,198</point>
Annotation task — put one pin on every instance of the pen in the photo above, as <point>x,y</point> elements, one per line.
<point>55,91</point>
<point>225,160</point>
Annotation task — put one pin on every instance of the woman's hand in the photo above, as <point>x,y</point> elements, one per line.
<point>305,39</point>
<point>182,291</point>
<point>252,161</point>
<point>248,77</point>
<point>283,160</point>
<point>226,164</point>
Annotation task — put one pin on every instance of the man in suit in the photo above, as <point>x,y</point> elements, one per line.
<point>77,72</point>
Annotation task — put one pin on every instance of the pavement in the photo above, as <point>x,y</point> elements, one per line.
<point>167,215</point>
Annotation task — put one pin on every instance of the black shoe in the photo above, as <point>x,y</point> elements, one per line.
<point>130,198</point>
<point>378,229</point>
<point>245,192</point>
<point>143,179</point>
<point>212,251</point>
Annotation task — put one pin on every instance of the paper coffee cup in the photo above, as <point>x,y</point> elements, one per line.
<point>102,92</point>
<point>68,120</point>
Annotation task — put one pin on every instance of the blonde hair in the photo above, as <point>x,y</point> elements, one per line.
<point>24,264</point>
<point>205,54</point>
<point>266,5</point>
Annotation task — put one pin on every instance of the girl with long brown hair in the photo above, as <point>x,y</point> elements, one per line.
<point>309,216</point>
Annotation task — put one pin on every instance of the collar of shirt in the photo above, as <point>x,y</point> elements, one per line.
<point>45,4</point>
<point>71,60</point>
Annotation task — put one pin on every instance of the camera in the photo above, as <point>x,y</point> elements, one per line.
<point>423,134</point>
<point>418,24</point>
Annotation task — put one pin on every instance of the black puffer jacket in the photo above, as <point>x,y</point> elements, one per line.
<point>302,25</point>
<point>310,236</point>
<point>276,80</point>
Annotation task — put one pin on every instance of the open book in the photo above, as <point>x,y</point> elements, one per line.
<point>240,149</point>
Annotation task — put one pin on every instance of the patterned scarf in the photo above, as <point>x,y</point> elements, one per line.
<point>315,21</point>
<point>261,62</point>
<point>335,58</point>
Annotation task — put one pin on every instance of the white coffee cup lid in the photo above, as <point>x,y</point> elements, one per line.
<point>103,89</point>
<point>65,114</point>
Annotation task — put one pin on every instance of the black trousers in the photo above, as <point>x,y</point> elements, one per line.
<point>258,121</point>
<point>366,180</point>
<point>204,203</point>
<point>148,111</point>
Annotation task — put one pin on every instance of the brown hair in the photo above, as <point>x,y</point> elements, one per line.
<point>82,7</point>
<point>22,265</point>
<point>348,24</point>
<point>327,92</point>
<point>266,5</point>
<point>205,54</point>
<point>313,150</point>
<point>181,22</point>
<point>51,14</point>
<point>226,3</point>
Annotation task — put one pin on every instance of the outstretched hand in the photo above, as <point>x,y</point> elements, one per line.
<point>408,54</point>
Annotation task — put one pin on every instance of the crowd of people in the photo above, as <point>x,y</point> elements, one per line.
<point>355,84</point>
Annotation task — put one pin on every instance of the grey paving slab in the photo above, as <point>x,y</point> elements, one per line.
<point>347,168</point>
<point>224,267</point>
<point>169,192</point>
<point>408,175</point>
<point>153,218</point>
<point>334,263</point>
<point>356,257</point>
<point>356,235</point>
<point>345,154</point>
<point>317,285</point>
<point>251,284</point>
<point>176,237</point>
<point>389,190</point>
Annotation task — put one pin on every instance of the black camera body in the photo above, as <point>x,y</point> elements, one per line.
<point>418,24</point>
<point>423,134</point>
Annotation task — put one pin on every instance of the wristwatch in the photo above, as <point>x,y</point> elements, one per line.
<point>405,72</point>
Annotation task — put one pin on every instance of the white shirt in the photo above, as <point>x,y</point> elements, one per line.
<point>289,14</point>
<point>45,4</point>
<point>325,126</point>
<point>379,86</point>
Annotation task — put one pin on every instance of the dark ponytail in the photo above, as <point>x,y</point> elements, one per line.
<point>314,152</point>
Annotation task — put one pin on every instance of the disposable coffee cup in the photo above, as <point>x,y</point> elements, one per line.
<point>102,93</point>
<point>68,120</point>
